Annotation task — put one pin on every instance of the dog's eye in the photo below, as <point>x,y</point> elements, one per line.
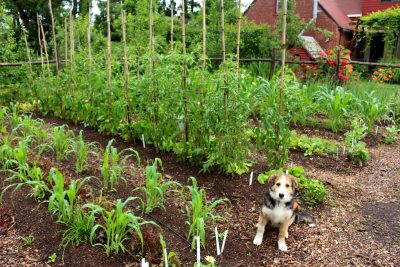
<point>287,185</point>
<point>278,184</point>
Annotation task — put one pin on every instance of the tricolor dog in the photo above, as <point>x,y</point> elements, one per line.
<point>278,208</point>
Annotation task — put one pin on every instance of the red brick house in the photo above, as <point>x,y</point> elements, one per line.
<point>337,16</point>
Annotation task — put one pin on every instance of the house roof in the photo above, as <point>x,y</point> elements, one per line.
<point>335,11</point>
<point>350,6</point>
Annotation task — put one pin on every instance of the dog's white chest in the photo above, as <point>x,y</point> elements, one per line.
<point>278,214</point>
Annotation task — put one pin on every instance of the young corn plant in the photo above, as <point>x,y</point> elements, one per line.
<point>80,228</point>
<point>61,142</point>
<point>81,151</point>
<point>155,190</point>
<point>117,225</point>
<point>200,213</point>
<point>63,202</point>
<point>114,166</point>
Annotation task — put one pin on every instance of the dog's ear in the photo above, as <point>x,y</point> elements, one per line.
<point>294,181</point>
<point>272,179</point>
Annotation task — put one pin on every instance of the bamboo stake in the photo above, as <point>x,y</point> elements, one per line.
<point>153,60</point>
<point>45,47</point>
<point>126,71</point>
<point>28,56</point>
<point>89,40</point>
<point>283,56</point>
<point>109,59</point>
<point>203,66</point>
<point>224,58</point>
<point>185,107</point>
<point>71,40</point>
<point>65,40</point>
<point>172,25</point>
<point>238,39</point>
<point>54,35</point>
<point>40,45</point>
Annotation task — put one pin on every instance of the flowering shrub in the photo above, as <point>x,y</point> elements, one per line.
<point>382,75</point>
<point>328,67</point>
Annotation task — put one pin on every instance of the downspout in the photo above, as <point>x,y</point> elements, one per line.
<point>313,19</point>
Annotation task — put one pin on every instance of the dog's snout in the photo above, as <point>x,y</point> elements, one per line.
<point>281,195</point>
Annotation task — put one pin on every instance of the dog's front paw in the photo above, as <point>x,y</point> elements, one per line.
<point>257,240</point>
<point>282,245</point>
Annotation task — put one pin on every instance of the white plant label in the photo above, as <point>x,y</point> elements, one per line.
<point>198,250</point>
<point>166,257</point>
<point>217,241</point>
<point>251,178</point>
<point>287,171</point>
<point>223,242</point>
<point>143,141</point>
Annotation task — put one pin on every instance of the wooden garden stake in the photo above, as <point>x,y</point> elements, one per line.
<point>184,73</point>
<point>153,62</point>
<point>172,26</point>
<point>40,47</point>
<point>45,46</point>
<point>89,40</point>
<point>282,85</point>
<point>109,59</point>
<point>28,56</point>
<point>65,40</point>
<point>126,71</point>
<point>238,40</point>
<point>54,36</point>
<point>224,58</point>
<point>203,66</point>
<point>71,41</point>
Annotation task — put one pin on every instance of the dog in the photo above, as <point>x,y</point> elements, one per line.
<point>278,208</point>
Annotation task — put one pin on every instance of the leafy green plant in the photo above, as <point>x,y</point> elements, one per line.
<point>114,164</point>
<point>52,258</point>
<point>312,145</point>
<point>312,190</point>
<point>200,213</point>
<point>117,225</point>
<point>391,135</point>
<point>61,142</point>
<point>355,148</point>
<point>154,189</point>
<point>371,110</point>
<point>173,258</point>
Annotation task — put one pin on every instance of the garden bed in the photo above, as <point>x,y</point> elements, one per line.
<point>346,229</point>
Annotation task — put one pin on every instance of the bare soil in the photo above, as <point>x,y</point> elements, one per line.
<point>357,226</point>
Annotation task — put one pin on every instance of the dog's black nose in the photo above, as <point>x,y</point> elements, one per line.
<point>281,195</point>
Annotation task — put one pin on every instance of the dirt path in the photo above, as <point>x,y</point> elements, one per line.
<point>358,226</point>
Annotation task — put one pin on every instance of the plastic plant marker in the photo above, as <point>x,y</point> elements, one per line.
<point>376,129</point>
<point>287,171</point>
<point>166,257</point>
<point>344,150</point>
<point>251,178</point>
<point>143,141</point>
<point>223,242</point>
<point>198,250</point>
<point>217,241</point>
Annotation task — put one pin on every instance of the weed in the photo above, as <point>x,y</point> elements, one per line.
<point>52,258</point>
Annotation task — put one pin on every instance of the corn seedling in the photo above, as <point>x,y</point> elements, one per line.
<point>81,151</point>
<point>117,225</point>
<point>61,142</point>
<point>63,202</point>
<point>200,213</point>
<point>114,165</point>
<point>155,190</point>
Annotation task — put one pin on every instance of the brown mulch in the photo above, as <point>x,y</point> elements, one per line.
<point>358,225</point>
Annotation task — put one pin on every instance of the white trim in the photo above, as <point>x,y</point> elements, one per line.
<point>354,15</point>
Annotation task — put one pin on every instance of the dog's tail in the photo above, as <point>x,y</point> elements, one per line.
<point>306,218</point>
